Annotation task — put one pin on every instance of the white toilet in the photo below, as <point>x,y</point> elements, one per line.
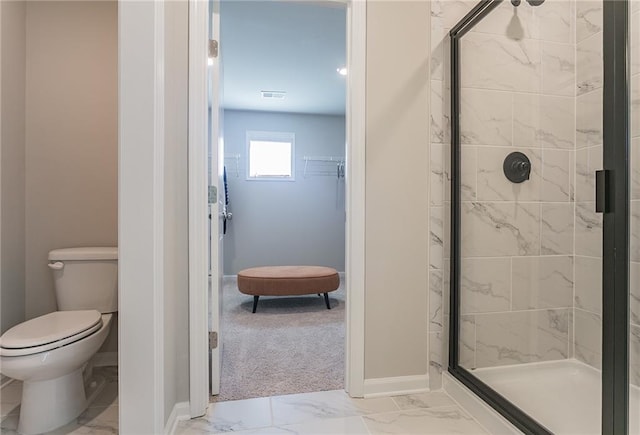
<point>50,352</point>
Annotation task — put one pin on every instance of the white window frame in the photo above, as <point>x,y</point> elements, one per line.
<point>271,136</point>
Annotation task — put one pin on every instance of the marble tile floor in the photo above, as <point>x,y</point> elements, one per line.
<point>334,412</point>
<point>327,412</point>
<point>100,418</point>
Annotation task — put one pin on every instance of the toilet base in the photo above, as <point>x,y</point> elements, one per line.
<point>48,405</point>
<point>93,387</point>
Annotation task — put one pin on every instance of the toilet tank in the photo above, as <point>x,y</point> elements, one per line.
<point>85,278</point>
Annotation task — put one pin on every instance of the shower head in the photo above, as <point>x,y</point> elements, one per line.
<point>516,3</point>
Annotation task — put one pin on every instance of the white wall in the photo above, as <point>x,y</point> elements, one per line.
<point>12,158</point>
<point>153,285</point>
<point>397,138</point>
<point>71,139</point>
<point>140,216</point>
<point>285,222</point>
<point>176,296</point>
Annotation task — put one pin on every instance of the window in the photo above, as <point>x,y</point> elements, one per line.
<point>270,156</point>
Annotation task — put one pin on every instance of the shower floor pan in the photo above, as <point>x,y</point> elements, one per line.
<point>564,396</point>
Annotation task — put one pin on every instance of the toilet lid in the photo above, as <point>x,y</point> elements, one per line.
<point>50,328</point>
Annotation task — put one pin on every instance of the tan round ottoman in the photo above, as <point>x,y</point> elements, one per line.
<point>288,281</point>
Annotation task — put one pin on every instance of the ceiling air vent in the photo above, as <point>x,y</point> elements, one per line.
<point>273,95</point>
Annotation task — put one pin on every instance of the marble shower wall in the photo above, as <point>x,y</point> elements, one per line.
<point>518,94</point>
<point>444,14</point>
<point>532,253</point>
<point>588,223</point>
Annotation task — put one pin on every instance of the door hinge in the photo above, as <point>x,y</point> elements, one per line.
<point>213,194</point>
<point>213,340</point>
<point>213,48</point>
<point>603,203</point>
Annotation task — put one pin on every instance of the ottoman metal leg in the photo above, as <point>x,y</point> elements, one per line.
<point>255,303</point>
<point>326,300</point>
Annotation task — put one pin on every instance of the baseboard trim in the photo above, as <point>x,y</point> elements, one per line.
<point>105,359</point>
<point>486,416</point>
<point>380,387</point>
<point>180,412</point>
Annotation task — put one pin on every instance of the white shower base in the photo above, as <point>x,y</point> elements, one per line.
<point>564,396</point>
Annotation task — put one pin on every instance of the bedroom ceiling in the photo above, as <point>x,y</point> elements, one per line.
<point>295,47</point>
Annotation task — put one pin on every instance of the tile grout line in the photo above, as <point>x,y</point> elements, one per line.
<point>271,411</point>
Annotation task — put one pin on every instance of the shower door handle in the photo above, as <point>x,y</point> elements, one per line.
<point>603,204</point>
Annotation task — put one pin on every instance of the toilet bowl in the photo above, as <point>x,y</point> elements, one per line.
<point>49,353</point>
<point>53,392</point>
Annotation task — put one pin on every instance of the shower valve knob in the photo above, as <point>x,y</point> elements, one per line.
<point>517,167</point>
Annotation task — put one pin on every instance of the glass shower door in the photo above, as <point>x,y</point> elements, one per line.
<point>527,243</point>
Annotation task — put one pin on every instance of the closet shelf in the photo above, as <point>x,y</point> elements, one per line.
<point>324,165</point>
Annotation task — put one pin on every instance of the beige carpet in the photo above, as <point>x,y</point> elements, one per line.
<point>290,345</point>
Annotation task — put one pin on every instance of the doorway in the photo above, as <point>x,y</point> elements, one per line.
<point>282,124</point>
<point>200,355</point>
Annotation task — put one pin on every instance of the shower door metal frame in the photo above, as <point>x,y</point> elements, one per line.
<point>615,336</point>
<point>616,219</point>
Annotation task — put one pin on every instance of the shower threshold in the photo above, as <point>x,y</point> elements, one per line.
<point>564,396</point>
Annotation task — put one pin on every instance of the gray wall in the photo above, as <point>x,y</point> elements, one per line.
<point>176,248</point>
<point>71,145</point>
<point>59,137</point>
<point>71,137</point>
<point>12,182</point>
<point>285,222</point>
<point>397,135</point>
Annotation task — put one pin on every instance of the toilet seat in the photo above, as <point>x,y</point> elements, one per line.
<point>48,332</point>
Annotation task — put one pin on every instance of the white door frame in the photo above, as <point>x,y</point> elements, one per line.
<point>355,203</point>
<point>198,208</point>
<point>141,146</point>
